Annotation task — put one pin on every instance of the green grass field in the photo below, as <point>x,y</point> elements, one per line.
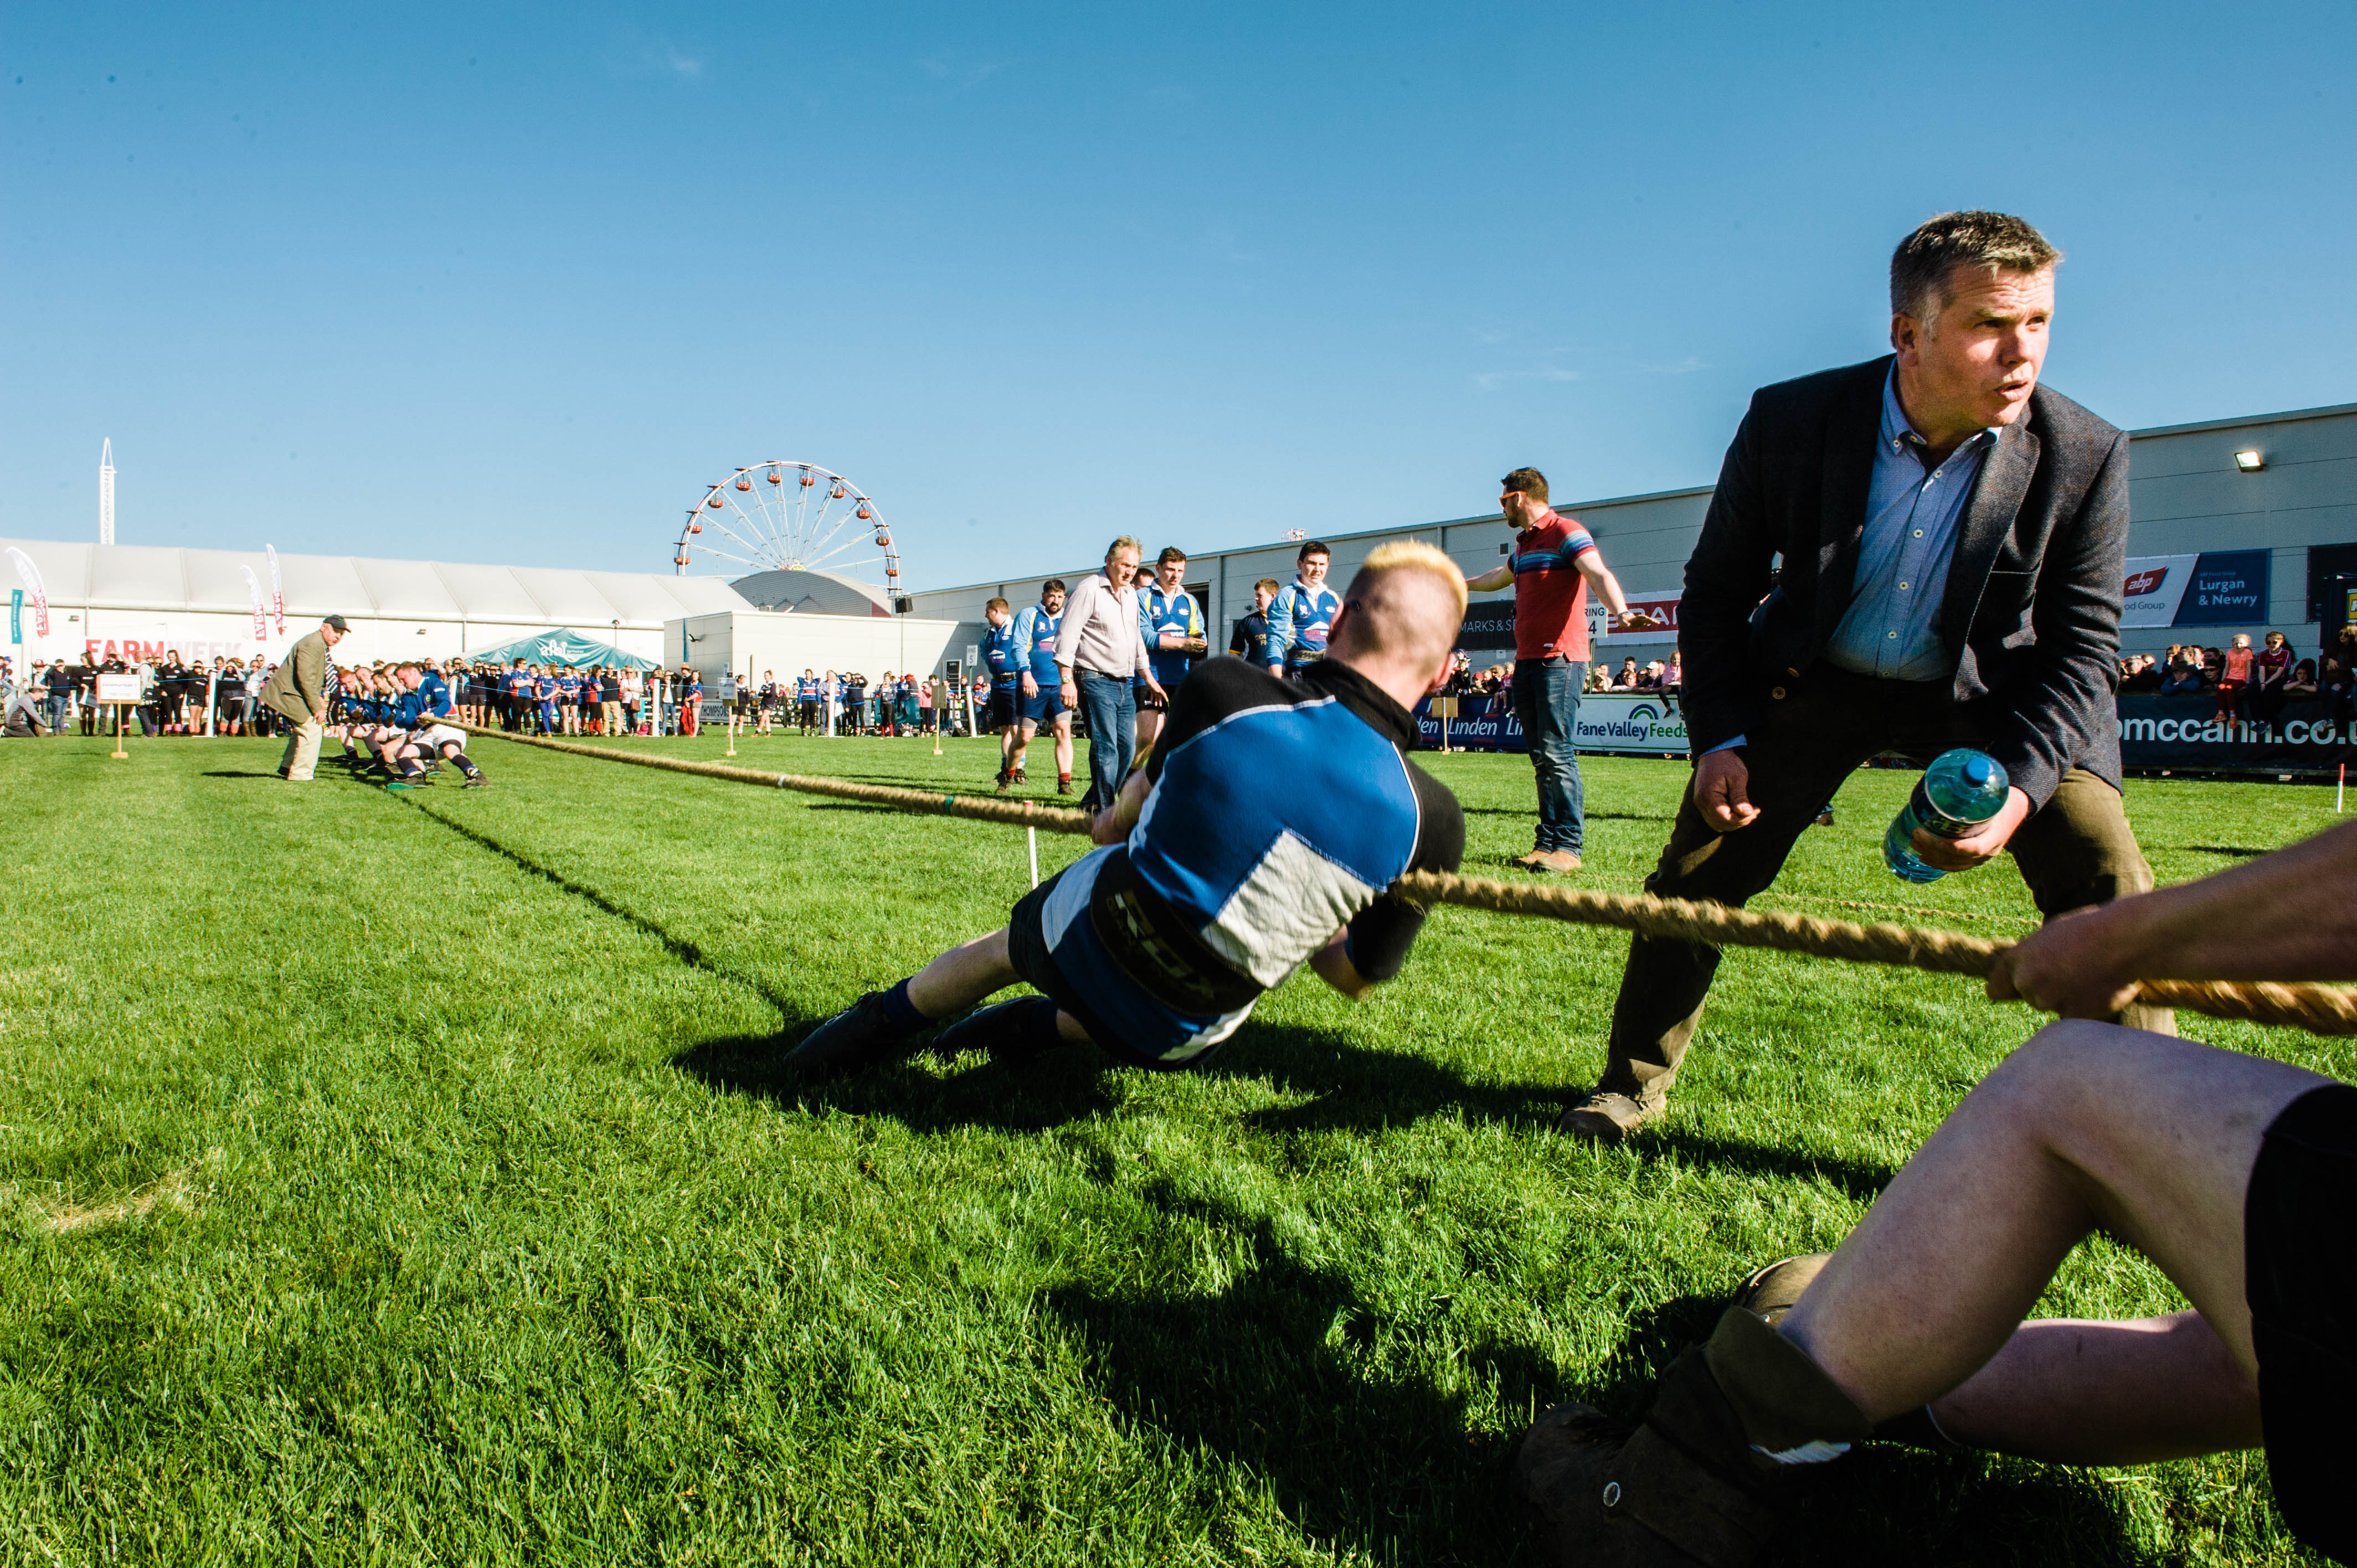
<point>404,1179</point>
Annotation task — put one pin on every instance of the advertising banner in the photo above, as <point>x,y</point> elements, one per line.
<point>1646,722</point>
<point>2229,588</point>
<point>2216,588</point>
<point>2186,732</point>
<point>2155,583</point>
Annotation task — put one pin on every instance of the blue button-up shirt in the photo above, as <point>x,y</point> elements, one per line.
<point>1892,625</point>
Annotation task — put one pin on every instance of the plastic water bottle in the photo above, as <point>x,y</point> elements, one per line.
<point>1961,789</point>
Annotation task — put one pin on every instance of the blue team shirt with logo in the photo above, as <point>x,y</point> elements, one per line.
<point>998,654</point>
<point>1035,643</point>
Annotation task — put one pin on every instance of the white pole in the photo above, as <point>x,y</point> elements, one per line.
<point>1033,834</point>
<point>213,679</point>
<point>2340,790</point>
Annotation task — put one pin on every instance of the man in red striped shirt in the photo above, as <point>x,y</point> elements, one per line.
<point>1553,563</point>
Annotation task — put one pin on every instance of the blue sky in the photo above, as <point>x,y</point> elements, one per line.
<point>511,283</point>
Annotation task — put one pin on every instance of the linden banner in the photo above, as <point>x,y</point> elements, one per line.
<point>1646,722</point>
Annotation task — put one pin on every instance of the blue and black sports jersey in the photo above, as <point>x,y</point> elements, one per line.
<point>1299,622</point>
<point>1279,811</point>
<point>1035,643</point>
<point>1250,639</point>
<point>1174,614</point>
<point>999,657</point>
<point>806,689</point>
<point>438,693</point>
<point>546,687</point>
<point>406,708</point>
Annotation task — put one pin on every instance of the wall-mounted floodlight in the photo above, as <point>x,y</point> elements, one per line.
<point>2250,462</point>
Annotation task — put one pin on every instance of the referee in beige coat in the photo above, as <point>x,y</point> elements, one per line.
<point>298,689</point>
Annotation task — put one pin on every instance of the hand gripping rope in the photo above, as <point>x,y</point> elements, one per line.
<point>2318,1009</point>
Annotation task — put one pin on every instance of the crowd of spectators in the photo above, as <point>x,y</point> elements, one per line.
<point>223,697</point>
<point>1496,680</point>
<point>2248,683</point>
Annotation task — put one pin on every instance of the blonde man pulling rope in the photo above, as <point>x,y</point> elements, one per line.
<point>1266,832</point>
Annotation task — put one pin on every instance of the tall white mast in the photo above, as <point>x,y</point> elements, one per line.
<point>107,492</point>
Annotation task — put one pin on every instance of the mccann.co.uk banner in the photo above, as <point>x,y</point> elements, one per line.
<point>2304,736</point>
<point>1636,721</point>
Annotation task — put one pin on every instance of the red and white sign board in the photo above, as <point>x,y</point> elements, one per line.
<point>1602,627</point>
<point>2155,583</point>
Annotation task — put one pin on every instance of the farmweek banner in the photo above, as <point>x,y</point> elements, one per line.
<point>1639,720</point>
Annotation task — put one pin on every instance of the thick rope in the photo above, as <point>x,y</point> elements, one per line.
<point>2318,1009</point>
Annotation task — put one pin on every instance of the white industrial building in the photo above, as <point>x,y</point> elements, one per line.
<point>2273,498</point>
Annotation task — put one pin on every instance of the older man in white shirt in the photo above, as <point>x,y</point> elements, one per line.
<point>1100,649</point>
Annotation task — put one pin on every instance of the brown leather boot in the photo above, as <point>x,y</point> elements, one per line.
<point>1699,1482</point>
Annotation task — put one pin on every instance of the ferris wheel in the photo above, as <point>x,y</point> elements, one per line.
<point>784,516</point>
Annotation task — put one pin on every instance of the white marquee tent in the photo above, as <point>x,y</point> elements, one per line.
<point>197,602</point>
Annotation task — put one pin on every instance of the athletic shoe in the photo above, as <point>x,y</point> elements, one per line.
<point>1021,777</point>
<point>1063,786</point>
<point>1772,1292</point>
<point>1558,860</point>
<point>1011,1032</point>
<point>1605,1119</point>
<point>476,781</point>
<point>1825,817</point>
<point>1005,782</point>
<point>859,1037</point>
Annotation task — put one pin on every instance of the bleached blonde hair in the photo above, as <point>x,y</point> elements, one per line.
<point>1416,556</point>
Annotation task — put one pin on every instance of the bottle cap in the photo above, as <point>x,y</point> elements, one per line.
<point>1979,769</point>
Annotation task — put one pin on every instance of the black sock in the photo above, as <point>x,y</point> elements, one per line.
<point>466,765</point>
<point>902,1012</point>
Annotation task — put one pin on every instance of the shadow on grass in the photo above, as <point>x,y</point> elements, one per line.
<point>1060,1087</point>
<point>2239,851</point>
<point>1861,1179</point>
<point>688,952</point>
<point>1354,1089</point>
<point>1292,1373</point>
<point>240,773</point>
<point>1287,1373</point>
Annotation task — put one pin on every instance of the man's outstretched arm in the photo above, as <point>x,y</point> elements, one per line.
<point>2285,916</point>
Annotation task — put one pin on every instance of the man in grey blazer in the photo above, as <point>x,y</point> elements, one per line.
<point>1918,553</point>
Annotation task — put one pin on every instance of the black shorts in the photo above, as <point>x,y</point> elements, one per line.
<point>1035,963</point>
<point>2300,1277</point>
<point>1005,708</point>
<point>1147,703</point>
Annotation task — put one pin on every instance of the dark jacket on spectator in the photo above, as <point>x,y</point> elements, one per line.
<point>2032,608</point>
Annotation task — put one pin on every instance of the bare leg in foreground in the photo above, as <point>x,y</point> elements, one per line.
<point>2088,1126</point>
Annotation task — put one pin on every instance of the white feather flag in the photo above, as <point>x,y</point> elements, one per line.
<point>40,597</point>
<point>261,611</point>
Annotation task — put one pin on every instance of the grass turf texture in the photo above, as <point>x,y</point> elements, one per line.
<point>403,1178</point>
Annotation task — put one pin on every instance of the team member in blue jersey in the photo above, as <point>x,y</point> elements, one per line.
<point>806,701</point>
<point>1302,616</point>
<point>1265,833</point>
<point>1249,641</point>
<point>1002,713</point>
<point>423,713</point>
<point>1176,637</point>
<point>543,687</point>
<point>1042,687</point>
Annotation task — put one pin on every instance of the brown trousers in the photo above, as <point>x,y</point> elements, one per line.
<point>2074,851</point>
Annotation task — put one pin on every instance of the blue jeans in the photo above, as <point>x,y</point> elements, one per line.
<point>1112,711</point>
<point>1547,701</point>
